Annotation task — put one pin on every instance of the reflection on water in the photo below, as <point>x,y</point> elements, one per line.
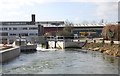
<point>111,59</point>
<point>62,62</point>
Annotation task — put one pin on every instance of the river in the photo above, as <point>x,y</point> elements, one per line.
<point>62,62</point>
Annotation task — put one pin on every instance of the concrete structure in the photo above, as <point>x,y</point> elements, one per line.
<point>59,44</point>
<point>28,48</point>
<point>9,54</point>
<point>70,44</point>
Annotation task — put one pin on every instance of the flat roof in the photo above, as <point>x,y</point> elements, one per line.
<point>30,22</point>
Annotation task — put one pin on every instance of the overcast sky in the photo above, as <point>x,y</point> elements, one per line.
<point>76,11</point>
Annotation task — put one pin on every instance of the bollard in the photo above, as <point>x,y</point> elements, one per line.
<point>86,41</point>
<point>55,43</point>
<point>47,45</point>
<point>94,41</point>
<point>103,41</point>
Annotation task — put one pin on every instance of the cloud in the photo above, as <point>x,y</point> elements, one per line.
<point>93,0</point>
<point>107,10</point>
<point>9,4</point>
<point>8,8</point>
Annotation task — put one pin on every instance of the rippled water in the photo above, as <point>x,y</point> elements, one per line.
<point>62,62</point>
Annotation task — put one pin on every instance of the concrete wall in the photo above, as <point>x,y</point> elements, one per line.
<point>28,47</point>
<point>59,44</point>
<point>9,54</point>
<point>71,44</point>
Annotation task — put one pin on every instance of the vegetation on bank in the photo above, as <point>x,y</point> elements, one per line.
<point>112,33</point>
<point>66,32</point>
<point>113,50</point>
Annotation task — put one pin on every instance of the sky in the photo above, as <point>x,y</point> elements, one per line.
<point>76,11</point>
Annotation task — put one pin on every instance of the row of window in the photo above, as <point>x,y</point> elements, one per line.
<point>24,28</point>
<point>4,34</point>
<point>22,34</point>
<point>16,23</point>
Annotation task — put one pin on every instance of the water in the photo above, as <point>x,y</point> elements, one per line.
<point>62,62</point>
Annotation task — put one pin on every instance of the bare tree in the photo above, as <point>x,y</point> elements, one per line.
<point>111,31</point>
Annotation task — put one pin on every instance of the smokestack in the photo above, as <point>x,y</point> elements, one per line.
<point>118,22</point>
<point>33,18</point>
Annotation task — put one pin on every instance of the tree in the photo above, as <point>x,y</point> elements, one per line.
<point>67,28</point>
<point>111,32</point>
<point>111,36</point>
<point>47,34</point>
<point>66,32</point>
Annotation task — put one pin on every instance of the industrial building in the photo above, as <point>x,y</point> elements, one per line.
<point>12,30</point>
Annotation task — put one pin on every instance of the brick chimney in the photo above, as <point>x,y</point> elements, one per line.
<point>33,18</point>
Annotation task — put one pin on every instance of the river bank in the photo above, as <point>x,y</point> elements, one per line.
<point>113,50</point>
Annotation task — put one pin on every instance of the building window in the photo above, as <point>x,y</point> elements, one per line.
<point>14,28</point>
<point>9,28</point>
<point>25,28</point>
<point>4,28</point>
<point>24,34</point>
<point>33,28</point>
<point>4,34</point>
<point>12,34</point>
<point>33,34</point>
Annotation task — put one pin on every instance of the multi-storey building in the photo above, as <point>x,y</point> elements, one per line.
<point>11,30</point>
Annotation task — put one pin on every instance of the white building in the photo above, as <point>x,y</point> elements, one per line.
<point>12,30</point>
<point>16,29</point>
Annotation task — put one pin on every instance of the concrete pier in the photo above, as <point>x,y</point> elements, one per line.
<point>72,45</point>
<point>64,44</point>
<point>28,48</point>
<point>9,54</point>
<point>59,44</point>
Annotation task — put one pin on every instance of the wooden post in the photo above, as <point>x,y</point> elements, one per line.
<point>47,45</point>
<point>94,41</point>
<point>55,42</point>
<point>103,41</point>
<point>86,41</point>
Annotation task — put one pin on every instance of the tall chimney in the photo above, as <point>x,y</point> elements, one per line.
<point>33,18</point>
